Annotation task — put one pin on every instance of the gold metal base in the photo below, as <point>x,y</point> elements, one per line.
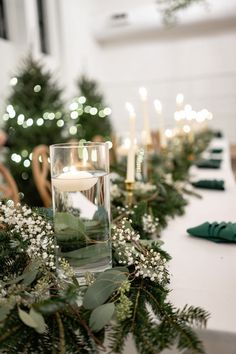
<point>129,186</point>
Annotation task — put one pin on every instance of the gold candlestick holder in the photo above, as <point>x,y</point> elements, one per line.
<point>129,186</point>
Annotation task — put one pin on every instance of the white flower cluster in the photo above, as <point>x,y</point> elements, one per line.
<point>147,262</point>
<point>115,191</point>
<point>145,187</point>
<point>150,223</point>
<point>169,179</point>
<point>125,210</point>
<point>33,229</point>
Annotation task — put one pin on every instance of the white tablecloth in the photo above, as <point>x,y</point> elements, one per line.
<point>203,272</point>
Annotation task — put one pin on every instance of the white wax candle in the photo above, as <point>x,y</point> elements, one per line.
<point>146,124</point>
<point>74,181</point>
<point>179,101</point>
<point>158,107</point>
<point>130,175</point>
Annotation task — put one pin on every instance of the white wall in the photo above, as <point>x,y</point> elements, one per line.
<point>198,61</point>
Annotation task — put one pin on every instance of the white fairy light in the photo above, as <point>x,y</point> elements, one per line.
<point>45,115</point>
<point>60,123</point>
<point>51,116</point>
<point>107,111</point>
<point>40,121</point>
<point>87,109</point>
<point>73,106</point>
<point>29,122</point>
<point>37,88</point>
<point>74,115</point>
<point>101,114</point>
<point>73,130</point>
<point>26,163</point>
<point>93,111</point>
<point>82,99</point>
<point>20,119</point>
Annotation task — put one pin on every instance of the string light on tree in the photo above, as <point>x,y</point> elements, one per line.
<point>32,111</point>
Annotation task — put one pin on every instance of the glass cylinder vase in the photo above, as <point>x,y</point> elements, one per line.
<point>81,205</point>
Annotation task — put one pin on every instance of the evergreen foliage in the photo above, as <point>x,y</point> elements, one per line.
<point>93,114</point>
<point>34,109</point>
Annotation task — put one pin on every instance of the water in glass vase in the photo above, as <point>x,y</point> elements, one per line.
<point>82,220</point>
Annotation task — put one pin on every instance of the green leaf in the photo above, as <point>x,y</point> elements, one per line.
<point>65,221</point>
<point>26,318</point>
<point>80,256</point>
<point>39,320</point>
<point>103,287</point>
<point>5,310</point>
<point>50,306</point>
<point>30,273</point>
<point>101,316</point>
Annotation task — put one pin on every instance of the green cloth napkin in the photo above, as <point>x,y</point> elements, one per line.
<point>211,163</point>
<point>216,150</point>
<point>209,184</point>
<point>217,232</point>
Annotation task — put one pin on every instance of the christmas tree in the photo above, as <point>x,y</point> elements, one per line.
<point>89,114</point>
<point>33,116</point>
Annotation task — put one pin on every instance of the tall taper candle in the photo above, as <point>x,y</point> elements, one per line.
<point>146,123</point>
<point>158,107</point>
<point>130,174</point>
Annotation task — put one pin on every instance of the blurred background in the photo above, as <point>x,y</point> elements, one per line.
<point>125,44</point>
<point>55,53</point>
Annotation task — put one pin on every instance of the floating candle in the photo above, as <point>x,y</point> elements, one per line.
<point>74,181</point>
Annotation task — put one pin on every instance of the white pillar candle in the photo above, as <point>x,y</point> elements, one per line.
<point>130,173</point>
<point>74,181</point>
<point>146,123</point>
<point>158,107</point>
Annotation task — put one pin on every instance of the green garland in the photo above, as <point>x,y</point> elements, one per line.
<point>43,311</point>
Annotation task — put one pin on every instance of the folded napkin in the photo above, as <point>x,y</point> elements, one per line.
<point>217,232</point>
<point>209,184</point>
<point>211,163</point>
<point>216,150</point>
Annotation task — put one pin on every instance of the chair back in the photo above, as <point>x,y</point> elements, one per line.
<point>41,171</point>
<point>8,187</point>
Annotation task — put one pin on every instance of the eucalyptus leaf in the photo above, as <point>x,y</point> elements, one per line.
<point>101,316</point>
<point>30,273</point>
<point>50,306</point>
<point>80,256</point>
<point>64,221</point>
<point>39,320</point>
<point>26,318</point>
<point>103,287</point>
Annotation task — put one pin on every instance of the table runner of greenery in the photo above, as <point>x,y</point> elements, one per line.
<point>43,311</point>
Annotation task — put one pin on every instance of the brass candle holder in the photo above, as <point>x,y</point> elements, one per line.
<point>129,186</point>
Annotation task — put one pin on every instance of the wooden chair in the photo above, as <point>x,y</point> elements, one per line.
<point>41,170</point>
<point>8,188</point>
